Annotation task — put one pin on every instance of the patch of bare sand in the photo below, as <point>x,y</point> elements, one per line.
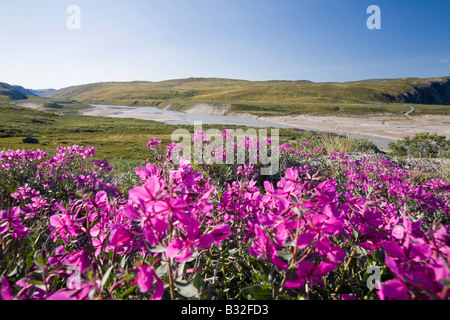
<point>383,127</point>
<point>104,112</point>
<point>209,109</point>
<point>152,116</point>
<point>119,112</point>
<point>31,105</point>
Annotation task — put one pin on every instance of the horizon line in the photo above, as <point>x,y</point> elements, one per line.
<point>235,79</point>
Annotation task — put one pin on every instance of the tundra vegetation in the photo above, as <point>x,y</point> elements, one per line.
<point>75,225</point>
<point>325,227</point>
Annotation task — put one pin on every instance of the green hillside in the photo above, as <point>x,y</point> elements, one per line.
<point>8,92</point>
<point>214,90</point>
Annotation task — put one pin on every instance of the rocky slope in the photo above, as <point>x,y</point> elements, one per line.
<point>433,92</point>
<point>14,92</point>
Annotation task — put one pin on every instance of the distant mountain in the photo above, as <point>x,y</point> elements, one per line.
<point>217,90</point>
<point>49,93</point>
<point>10,92</point>
<point>46,93</point>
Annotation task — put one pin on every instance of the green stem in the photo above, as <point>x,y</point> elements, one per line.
<point>344,272</point>
<point>297,234</point>
<point>16,247</point>
<point>224,275</point>
<point>171,282</point>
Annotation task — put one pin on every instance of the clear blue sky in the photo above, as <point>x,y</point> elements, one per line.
<point>126,40</point>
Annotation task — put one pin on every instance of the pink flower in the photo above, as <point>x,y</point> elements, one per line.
<point>305,239</point>
<point>153,143</point>
<point>221,232</point>
<point>149,170</point>
<point>310,272</point>
<point>393,290</point>
<point>263,248</point>
<point>120,236</point>
<point>64,227</point>
<point>146,279</point>
<point>5,293</point>
<point>333,253</point>
<point>10,221</point>
<point>148,192</point>
<point>59,254</point>
<point>172,207</point>
<point>82,293</point>
<point>183,248</point>
<point>63,295</point>
<point>79,259</point>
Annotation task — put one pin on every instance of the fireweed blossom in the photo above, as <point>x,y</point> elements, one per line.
<point>146,279</point>
<point>153,143</point>
<point>265,249</point>
<point>64,226</point>
<point>227,147</point>
<point>5,292</point>
<point>178,224</point>
<point>78,259</point>
<point>182,248</point>
<point>11,222</point>
<point>311,273</point>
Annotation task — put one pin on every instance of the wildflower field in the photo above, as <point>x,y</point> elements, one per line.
<point>329,229</point>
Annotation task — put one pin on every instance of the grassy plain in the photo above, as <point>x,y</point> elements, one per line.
<point>120,140</point>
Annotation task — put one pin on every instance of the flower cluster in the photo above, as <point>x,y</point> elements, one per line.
<point>67,233</point>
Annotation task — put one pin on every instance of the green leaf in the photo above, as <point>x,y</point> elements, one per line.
<point>158,249</point>
<point>97,220</point>
<point>186,289</point>
<point>258,293</point>
<point>106,276</point>
<point>261,278</point>
<point>131,289</point>
<point>446,282</point>
<point>286,255</point>
<point>123,261</point>
<point>127,277</point>
<point>180,269</point>
<point>17,269</point>
<point>361,251</point>
<point>39,260</point>
<point>37,283</point>
<point>162,269</point>
<point>198,282</point>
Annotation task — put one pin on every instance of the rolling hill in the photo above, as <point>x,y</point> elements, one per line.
<point>10,92</point>
<point>48,93</point>
<point>260,98</point>
<point>215,90</point>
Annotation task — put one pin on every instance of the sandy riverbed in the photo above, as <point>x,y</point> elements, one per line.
<point>377,126</point>
<point>384,127</point>
<point>120,112</point>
